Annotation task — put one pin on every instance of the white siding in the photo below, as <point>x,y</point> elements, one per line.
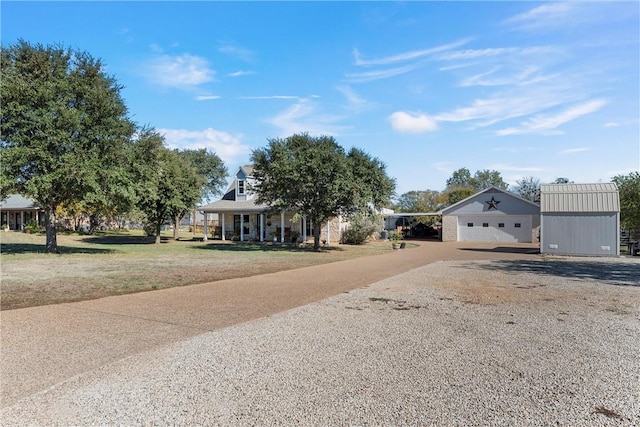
<point>499,228</point>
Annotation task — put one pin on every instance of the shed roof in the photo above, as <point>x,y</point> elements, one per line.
<point>598,197</point>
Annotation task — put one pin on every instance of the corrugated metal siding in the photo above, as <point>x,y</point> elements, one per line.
<point>601,197</point>
<point>579,234</point>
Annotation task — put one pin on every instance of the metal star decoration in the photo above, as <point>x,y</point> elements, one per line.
<point>493,203</point>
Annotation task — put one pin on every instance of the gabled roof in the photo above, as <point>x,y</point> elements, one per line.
<point>17,202</point>
<point>491,189</point>
<point>598,197</point>
<point>247,206</point>
<point>247,169</point>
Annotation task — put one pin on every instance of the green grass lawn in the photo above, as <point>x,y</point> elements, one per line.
<point>117,263</point>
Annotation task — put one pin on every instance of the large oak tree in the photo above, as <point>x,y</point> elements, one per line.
<point>65,130</point>
<point>315,177</point>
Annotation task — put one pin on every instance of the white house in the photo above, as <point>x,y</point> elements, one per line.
<point>241,218</point>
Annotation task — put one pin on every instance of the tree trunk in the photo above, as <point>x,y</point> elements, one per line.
<point>52,238</point>
<point>316,237</point>
<point>176,227</point>
<point>158,234</point>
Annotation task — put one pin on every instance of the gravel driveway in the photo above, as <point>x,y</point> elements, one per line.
<point>539,342</point>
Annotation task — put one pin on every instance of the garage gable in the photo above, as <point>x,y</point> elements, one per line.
<point>493,201</point>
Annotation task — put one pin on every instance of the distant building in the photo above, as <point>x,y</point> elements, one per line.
<point>16,211</point>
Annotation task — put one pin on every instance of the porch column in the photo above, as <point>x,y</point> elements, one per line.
<point>204,227</point>
<point>281,227</point>
<point>328,233</point>
<point>222,225</point>
<point>261,228</point>
<point>21,220</point>
<point>241,227</point>
<point>304,229</point>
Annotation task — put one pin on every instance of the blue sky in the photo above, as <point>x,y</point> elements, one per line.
<point>543,89</point>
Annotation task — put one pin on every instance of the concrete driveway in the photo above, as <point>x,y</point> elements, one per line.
<point>44,346</point>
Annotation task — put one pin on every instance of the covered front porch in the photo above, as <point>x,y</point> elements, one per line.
<point>261,226</point>
<point>16,211</point>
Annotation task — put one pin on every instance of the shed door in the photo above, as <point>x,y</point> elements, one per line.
<point>483,228</point>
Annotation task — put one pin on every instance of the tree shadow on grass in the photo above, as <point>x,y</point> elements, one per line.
<point>605,272</point>
<point>263,247</point>
<point>124,240</point>
<point>30,248</point>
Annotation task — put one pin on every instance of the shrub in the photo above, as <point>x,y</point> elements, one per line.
<point>149,229</point>
<point>32,227</point>
<point>361,228</point>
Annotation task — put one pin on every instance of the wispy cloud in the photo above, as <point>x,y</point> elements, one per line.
<point>548,124</point>
<point>414,59</point>
<point>236,51</point>
<point>180,71</point>
<point>207,97</point>
<point>545,16</point>
<point>228,147</point>
<point>526,76</point>
<point>271,97</point>
<point>368,76</point>
<point>355,102</point>
<point>241,73</point>
<point>408,122</point>
<point>306,116</point>
<point>574,150</point>
<point>406,56</point>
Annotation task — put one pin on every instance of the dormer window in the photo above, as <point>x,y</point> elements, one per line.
<point>241,189</point>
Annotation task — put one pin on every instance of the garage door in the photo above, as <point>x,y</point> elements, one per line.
<point>494,228</point>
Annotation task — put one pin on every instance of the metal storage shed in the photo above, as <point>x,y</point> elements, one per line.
<point>580,219</point>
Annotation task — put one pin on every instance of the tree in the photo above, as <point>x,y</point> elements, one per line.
<point>422,201</point>
<point>528,188</point>
<point>458,194</point>
<point>314,177</point>
<point>65,130</point>
<point>460,179</point>
<point>629,191</point>
<point>487,178</point>
<point>210,167</point>
<point>168,183</point>
<point>481,180</point>
<point>562,181</point>
<point>462,185</point>
<point>213,172</point>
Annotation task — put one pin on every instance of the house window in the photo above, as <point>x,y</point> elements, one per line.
<point>469,224</point>
<point>517,225</point>
<point>501,225</point>
<point>240,186</point>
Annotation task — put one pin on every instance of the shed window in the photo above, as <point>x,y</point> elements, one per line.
<point>517,225</point>
<point>469,224</point>
<point>485,224</point>
<point>501,225</point>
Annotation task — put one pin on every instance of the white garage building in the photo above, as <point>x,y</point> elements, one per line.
<point>492,215</point>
